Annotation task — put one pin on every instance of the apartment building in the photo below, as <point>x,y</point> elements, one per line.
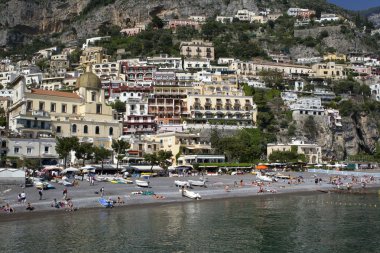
<point>330,70</point>
<point>221,102</point>
<point>197,49</point>
<point>94,55</point>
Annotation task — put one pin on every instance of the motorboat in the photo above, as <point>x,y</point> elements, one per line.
<point>281,176</point>
<point>180,183</point>
<point>264,178</point>
<point>142,183</point>
<point>121,181</point>
<point>197,183</point>
<point>190,194</point>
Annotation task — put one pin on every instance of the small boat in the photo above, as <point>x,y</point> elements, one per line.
<point>190,194</point>
<point>105,203</point>
<point>142,183</point>
<point>264,178</point>
<point>197,183</point>
<point>180,183</point>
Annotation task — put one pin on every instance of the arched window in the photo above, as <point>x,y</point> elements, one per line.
<point>111,131</point>
<point>74,128</point>
<point>97,131</point>
<point>85,129</point>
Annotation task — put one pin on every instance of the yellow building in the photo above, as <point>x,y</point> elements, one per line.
<point>330,70</point>
<point>197,49</point>
<point>180,143</point>
<point>335,57</point>
<point>42,113</point>
<point>94,55</point>
<point>221,102</point>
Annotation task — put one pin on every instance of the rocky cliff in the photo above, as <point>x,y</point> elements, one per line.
<point>21,19</point>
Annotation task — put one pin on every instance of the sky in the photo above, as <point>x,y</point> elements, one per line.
<point>356,4</point>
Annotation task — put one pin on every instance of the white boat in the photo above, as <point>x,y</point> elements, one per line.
<point>142,183</point>
<point>190,194</point>
<point>264,178</point>
<point>180,183</point>
<point>197,183</point>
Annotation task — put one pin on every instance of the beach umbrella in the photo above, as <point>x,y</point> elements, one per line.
<point>261,167</point>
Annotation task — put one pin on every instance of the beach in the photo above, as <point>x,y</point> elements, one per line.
<point>85,196</point>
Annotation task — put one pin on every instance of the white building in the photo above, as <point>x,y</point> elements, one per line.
<point>313,152</point>
<point>200,19</point>
<point>327,17</point>
<point>92,41</point>
<point>224,19</point>
<point>307,106</point>
<point>107,70</point>
<point>375,91</point>
<point>244,15</point>
<point>165,62</point>
<point>196,64</point>
<point>41,148</point>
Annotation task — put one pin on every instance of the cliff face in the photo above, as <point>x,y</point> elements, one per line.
<point>20,19</point>
<point>359,133</point>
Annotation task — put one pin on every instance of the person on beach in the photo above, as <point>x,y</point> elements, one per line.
<point>19,198</point>
<point>40,193</point>
<point>9,209</point>
<point>102,192</point>
<point>55,204</point>
<point>120,201</point>
<point>23,197</point>
<point>29,207</point>
<point>65,193</point>
<point>241,183</point>
<point>227,188</point>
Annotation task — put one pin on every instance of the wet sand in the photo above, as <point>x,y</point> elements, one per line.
<point>84,196</point>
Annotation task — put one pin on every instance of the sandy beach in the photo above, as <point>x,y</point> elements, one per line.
<point>85,197</point>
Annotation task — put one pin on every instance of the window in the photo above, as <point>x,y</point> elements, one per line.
<point>111,131</point>
<point>52,107</point>
<point>41,106</point>
<point>97,131</point>
<point>99,109</point>
<point>16,150</point>
<point>85,129</point>
<point>59,129</point>
<point>29,151</point>
<point>29,105</point>
<point>93,96</point>
<point>74,128</point>
<point>46,149</point>
<point>64,108</point>
<point>74,109</point>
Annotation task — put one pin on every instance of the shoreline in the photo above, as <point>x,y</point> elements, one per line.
<point>214,192</point>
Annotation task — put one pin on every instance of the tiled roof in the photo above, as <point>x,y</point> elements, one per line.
<point>55,93</point>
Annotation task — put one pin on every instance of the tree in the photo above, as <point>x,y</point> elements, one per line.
<point>64,146</point>
<point>100,154</point>
<point>310,128</point>
<point>118,106</point>
<point>159,158</point>
<point>119,147</point>
<point>84,151</point>
<point>157,22</point>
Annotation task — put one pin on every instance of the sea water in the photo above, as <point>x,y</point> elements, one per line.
<point>275,223</point>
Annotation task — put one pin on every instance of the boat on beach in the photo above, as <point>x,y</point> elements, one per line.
<point>142,183</point>
<point>190,194</point>
<point>180,183</point>
<point>264,178</point>
<point>197,183</point>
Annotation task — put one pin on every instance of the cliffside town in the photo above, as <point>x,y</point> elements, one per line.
<point>202,79</point>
